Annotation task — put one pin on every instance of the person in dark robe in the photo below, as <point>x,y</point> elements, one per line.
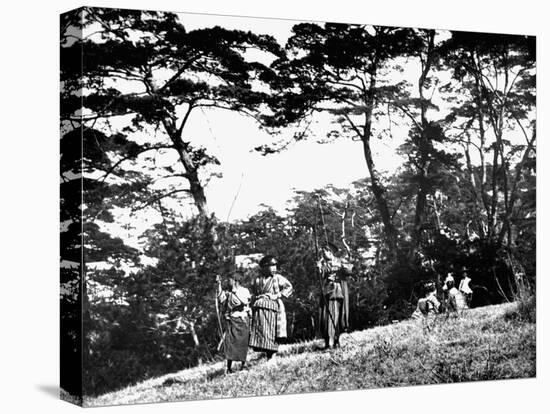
<point>268,312</point>
<point>235,301</point>
<point>334,300</point>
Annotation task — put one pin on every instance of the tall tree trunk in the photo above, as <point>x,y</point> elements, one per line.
<point>474,188</point>
<point>376,186</point>
<point>514,192</point>
<point>420,209</point>
<point>481,186</point>
<point>379,195</point>
<point>191,169</point>
<point>483,166</point>
<point>425,149</point>
<point>494,194</point>
<point>495,116</point>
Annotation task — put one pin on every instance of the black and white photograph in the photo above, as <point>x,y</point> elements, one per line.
<point>254,206</point>
<point>272,207</point>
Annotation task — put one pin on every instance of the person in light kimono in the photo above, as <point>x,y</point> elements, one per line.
<point>455,300</point>
<point>235,302</point>
<point>268,326</point>
<point>464,286</point>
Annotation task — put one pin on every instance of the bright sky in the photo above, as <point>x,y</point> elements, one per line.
<point>271,179</point>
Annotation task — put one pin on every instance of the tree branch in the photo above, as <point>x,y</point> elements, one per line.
<point>129,157</point>
<point>179,72</point>
<point>160,197</point>
<point>354,127</point>
<point>185,118</point>
<point>409,114</point>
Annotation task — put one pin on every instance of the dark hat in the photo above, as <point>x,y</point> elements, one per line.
<point>268,260</point>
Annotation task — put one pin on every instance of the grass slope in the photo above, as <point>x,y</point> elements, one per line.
<point>487,343</point>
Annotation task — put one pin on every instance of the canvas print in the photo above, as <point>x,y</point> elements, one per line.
<point>253,206</point>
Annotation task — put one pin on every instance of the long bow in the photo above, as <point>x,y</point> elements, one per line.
<point>321,273</point>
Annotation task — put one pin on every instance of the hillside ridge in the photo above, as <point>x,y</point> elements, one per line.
<point>492,342</point>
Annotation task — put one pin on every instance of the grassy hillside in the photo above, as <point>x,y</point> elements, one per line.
<point>494,342</point>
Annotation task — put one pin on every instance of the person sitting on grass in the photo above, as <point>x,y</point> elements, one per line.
<point>455,299</point>
<point>235,300</point>
<point>429,304</point>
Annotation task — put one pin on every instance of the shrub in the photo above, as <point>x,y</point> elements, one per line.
<point>527,309</point>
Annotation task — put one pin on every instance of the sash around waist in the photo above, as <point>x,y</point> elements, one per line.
<point>266,303</point>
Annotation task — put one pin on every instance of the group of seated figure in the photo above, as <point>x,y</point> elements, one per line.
<point>454,299</point>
